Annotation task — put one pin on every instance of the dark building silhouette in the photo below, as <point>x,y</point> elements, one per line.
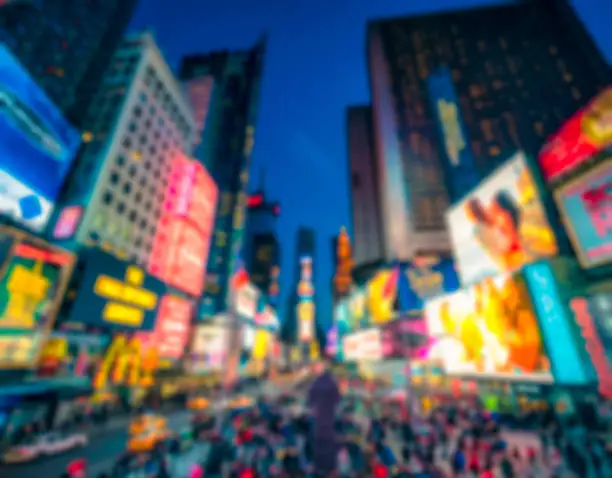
<point>365,197</point>
<point>515,82</point>
<point>66,45</point>
<point>224,89</point>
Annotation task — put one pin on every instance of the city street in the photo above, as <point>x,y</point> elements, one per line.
<point>101,453</point>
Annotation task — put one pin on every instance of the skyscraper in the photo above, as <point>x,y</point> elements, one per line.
<point>139,124</point>
<point>224,89</point>
<point>66,45</point>
<point>261,249</point>
<point>365,198</point>
<point>455,94</point>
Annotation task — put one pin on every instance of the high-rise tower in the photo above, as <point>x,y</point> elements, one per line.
<point>455,94</point>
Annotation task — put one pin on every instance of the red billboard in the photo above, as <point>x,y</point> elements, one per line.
<point>584,134</point>
<point>184,230</point>
<point>172,327</point>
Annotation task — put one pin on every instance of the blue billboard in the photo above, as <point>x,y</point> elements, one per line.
<point>459,164</point>
<point>37,146</point>
<point>567,364</point>
<point>115,294</point>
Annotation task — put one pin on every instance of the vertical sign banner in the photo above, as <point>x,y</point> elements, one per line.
<point>585,204</point>
<point>460,166</point>
<point>567,364</point>
<point>306,308</point>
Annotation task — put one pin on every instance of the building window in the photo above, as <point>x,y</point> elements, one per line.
<point>220,239</point>
<point>576,93</point>
<point>108,197</point>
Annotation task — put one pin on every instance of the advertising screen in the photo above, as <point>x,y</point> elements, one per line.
<point>501,226</point>
<point>405,338</point>
<point>182,239</point>
<point>247,300</point>
<point>585,204</point>
<point>33,281</point>
<point>489,329</point>
<point>362,345</point>
<point>172,326</point>
<point>115,294</point>
<point>557,333</point>
<point>459,165</point>
<point>37,148</point>
<point>209,348</point>
<point>580,137</point>
<point>594,317</point>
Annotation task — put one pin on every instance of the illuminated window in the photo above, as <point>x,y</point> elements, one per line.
<point>576,93</point>
<point>538,127</point>
<point>498,85</point>
<point>220,239</point>
<point>487,129</point>
<point>238,218</point>
<point>226,204</point>
<point>567,77</point>
<point>475,91</point>
<point>553,50</point>
<point>494,151</point>
<point>264,254</point>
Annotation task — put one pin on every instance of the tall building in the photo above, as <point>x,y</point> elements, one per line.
<point>139,125</point>
<point>224,90</point>
<point>261,250</point>
<point>455,94</point>
<point>66,45</point>
<point>365,197</point>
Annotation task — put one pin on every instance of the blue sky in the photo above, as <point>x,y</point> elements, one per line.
<point>315,67</point>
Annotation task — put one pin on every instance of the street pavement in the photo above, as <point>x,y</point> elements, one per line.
<point>105,446</point>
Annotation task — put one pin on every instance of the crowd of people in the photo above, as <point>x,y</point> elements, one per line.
<point>320,433</point>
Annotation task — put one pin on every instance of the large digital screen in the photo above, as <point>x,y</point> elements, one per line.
<point>33,281</point>
<point>209,348</point>
<point>501,226</point>
<point>580,137</point>
<point>172,328</point>
<point>557,333</point>
<point>247,301</point>
<point>405,338</point>
<point>489,329</point>
<point>460,168</point>
<point>585,204</point>
<point>113,293</point>
<point>363,345</point>
<point>399,291</point>
<point>594,317</point>
<point>37,148</point>
<point>182,239</point>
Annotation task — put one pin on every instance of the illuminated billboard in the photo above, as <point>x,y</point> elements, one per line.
<point>209,347</point>
<point>247,301</point>
<point>172,326</point>
<point>405,338</point>
<point>305,311</point>
<point>37,148</point>
<point>115,294</point>
<point>364,345</point>
<point>182,238</point>
<point>585,204</point>
<point>501,226</point>
<point>33,281</point>
<point>592,314</point>
<point>459,162</point>
<point>580,137</point>
<point>489,329</point>
<point>559,336</point>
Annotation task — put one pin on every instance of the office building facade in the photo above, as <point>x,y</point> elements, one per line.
<point>462,87</point>
<point>224,88</point>
<point>66,45</point>
<point>364,183</point>
<point>139,124</point>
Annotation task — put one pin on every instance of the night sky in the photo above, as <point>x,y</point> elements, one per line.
<point>314,68</point>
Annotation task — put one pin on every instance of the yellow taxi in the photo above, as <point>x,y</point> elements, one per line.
<point>241,401</point>
<point>198,404</point>
<point>146,432</point>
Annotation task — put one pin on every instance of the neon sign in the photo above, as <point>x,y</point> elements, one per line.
<point>594,345</point>
<point>128,301</point>
<point>453,137</point>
